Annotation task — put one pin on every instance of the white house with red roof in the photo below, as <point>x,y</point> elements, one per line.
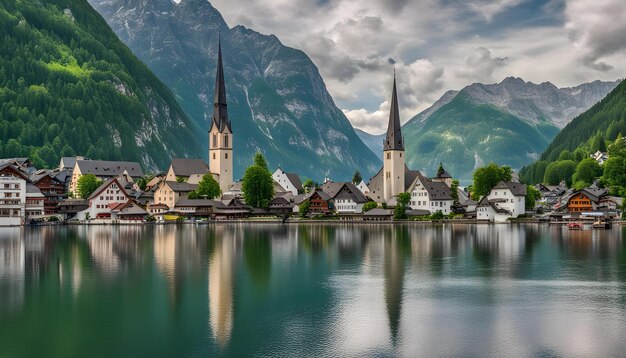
<point>109,195</point>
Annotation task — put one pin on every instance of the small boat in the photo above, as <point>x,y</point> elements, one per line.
<point>602,224</point>
<point>575,226</point>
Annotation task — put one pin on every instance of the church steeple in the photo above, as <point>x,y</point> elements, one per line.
<point>220,112</point>
<point>394,131</point>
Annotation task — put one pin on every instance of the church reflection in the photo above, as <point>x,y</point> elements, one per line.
<point>221,276</point>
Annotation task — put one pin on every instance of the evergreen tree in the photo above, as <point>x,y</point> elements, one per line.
<point>258,184</point>
<point>356,178</point>
<point>259,160</point>
<point>399,211</point>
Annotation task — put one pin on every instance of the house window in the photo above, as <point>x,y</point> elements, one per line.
<point>388,155</point>
<point>226,140</point>
<point>214,140</point>
<point>225,155</point>
<point>213,155</point>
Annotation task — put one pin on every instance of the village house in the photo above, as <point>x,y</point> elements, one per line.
<point>347,198</point>
<point>187,170</point>
<point>430,195</point>
<point>103,170</point>
<point>288,181</point>
<point>504,201</point>
<point>128,211</point>
<point>12,200</point>
<point>320,202</point>
<point>158,209</point>
<point>35,200</point>
<point>109,195</point>
<point>52,186</point>
<point>69,208</point>
<point>585,200</point>
<point>282,205</point>
<point>600,157</point>
<point>170,192</point>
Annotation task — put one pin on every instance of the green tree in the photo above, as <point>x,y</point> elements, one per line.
<point>615,171</point>
<point>258,184</point>
<point>598,143</point>
<point>208,188</point>
<point>309,184</point>
<point>440,170</point>
<point>259,160</point>
<point>565,155</point>
<point>587,171</point>
<point>560,171</point>
<point>485,178</point>
<point>369,206</point>
<point>143,181</point>
<point>86,185</point>
<point>399,211</point>
<point>532,195</point>
<point>454,188</point>
<point>303,209</point>
<point>356,178</point>
<point>437,215</point>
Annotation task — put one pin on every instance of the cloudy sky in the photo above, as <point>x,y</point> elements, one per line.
<point>438,45</point>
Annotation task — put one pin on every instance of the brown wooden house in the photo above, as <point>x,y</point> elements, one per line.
<point>320,202</point>
<point>51,187</point>
<point>585,200</point>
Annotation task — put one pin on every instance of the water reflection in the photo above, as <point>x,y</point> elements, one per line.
<point>409,290</point>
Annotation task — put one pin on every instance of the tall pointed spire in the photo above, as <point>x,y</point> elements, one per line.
<point>220,112</point>
<point>394,131</point>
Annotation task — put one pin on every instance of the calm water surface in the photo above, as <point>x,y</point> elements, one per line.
<point>318,290</point>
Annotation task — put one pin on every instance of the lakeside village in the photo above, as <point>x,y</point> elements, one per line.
<point>82,191</point>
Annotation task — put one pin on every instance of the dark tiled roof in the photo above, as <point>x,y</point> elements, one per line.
<point>181,187</point>
<point>376,183</point>
<point>394,140</point>
<point>295,180</point>
<point>109,168</point>
<point>120,183</point>
<point>486,202</point>
<point>516,188</point>
<point>184,167</point>
<point>199,202</point>
<point>344,190</point>
<point>378,212</point>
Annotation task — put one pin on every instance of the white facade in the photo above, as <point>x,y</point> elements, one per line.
<point>505,199</point>
<point>393,168</point>
<point>221,156</point>
<point>34,202</point>
<point>421,200</point>
<point>282,179</point>
<point>12,200</point>
<point>100,202</point>
<point>363,188</point>
<point>348,206</point>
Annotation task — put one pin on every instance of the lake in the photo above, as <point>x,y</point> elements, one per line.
<point>312,290</point>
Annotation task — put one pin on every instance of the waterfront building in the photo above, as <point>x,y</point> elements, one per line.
<point>347,198</point>
<point>34,202</point>
<point>170,192</point>
<point>12,200</point>
<point>52,186</point>
<point>430,195</point>
<point>109,195</point>
<point>504,201</point>
<point>220,132</point>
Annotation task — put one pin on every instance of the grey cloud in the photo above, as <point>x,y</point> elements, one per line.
<point>598,29</point>
<point>481,64</point>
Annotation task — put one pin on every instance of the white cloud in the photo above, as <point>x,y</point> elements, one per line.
<point>372,122</point>
<point>598,30</point>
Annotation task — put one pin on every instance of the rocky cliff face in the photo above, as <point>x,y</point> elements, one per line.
<point>277,100</point>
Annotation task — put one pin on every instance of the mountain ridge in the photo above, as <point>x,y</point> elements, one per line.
<point>277,99</point>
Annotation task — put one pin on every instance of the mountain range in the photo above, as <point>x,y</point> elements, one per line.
<point>509,123</point>
<point>68,86</point>
<point>277,100</point>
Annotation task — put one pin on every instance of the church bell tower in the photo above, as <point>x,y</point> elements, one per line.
<point>220,132</point>
<point>393,152</point>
